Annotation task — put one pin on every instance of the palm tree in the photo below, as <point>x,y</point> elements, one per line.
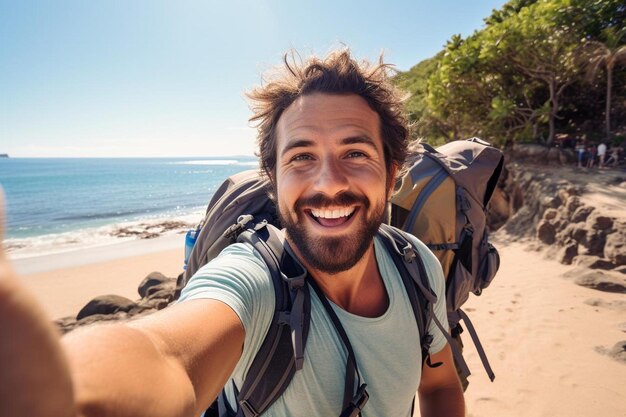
<point>605,54</point>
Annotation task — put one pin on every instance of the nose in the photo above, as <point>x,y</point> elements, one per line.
<point>331,178</point>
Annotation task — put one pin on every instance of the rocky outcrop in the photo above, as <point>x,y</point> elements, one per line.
<point>156,292</point>
<point>538,202</point>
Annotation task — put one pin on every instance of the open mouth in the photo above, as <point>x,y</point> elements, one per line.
<point>332,217</point>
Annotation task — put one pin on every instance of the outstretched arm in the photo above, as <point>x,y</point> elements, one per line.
<point>440,392</point>
<point>168,364</point>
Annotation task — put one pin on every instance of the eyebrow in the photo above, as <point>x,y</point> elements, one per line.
<point>351,140</point>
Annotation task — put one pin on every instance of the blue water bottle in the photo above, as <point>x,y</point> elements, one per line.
<point>190,241</point>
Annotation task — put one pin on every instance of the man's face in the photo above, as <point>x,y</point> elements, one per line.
<point>331,181</point>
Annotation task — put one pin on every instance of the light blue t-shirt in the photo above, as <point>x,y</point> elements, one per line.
<point>387,348</point>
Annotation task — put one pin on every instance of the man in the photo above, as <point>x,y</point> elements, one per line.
<point>332,139</point>
<point>601,154</point>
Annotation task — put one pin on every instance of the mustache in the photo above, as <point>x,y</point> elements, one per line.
<point>320,201</point>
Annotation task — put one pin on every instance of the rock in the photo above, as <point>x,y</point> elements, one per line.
<point>553,202</point>
<point>499,209</point>
<point>572,204</point>
<point>594,243</point>
<point>615,248</point>
<point>105,304</point>
<point>620,269</point>
<point>618,351</point>
<point>554,155</point>
<point>575,231</point>
<point>593,262</point>
<point>162,294</point>
<point>65,324</point>
<point>567,155</point>
<point>601,281</point>
<point>152,279</point>
<point>598,221</point>
<point>568,252</point>
<point>550,214</point>
<point>581,214</point>
<point>546,232</point>
<point>96,318</point>
<point>530,151</point>
<point>154,303</point>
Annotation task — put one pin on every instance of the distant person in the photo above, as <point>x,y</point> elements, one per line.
<point>332,137</point>
<point>614,156</point>
<point>591,155</point>
<point>601,154</point>
<point>580,152</point>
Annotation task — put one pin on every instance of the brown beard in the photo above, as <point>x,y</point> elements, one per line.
<point>332,255</point>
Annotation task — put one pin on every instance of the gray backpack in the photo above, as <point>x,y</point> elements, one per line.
<point>443,201</point>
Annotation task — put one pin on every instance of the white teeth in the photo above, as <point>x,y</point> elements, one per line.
<point>333,214</point>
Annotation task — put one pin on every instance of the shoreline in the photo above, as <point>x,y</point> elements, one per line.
<point>111,251</point>
<point>63,291</point>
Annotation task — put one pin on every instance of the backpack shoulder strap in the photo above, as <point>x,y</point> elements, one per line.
<point>282,352</point>
<point>421,296</point>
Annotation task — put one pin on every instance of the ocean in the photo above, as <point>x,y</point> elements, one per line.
<point>60,204</point>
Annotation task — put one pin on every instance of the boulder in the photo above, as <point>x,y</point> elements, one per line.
<point>597,221</point>
<point>572,204</point>
<point>594,243</point>
<point>554,156</point>
<point>593,262</point>
<point>581,214</point>
<point>530,151</point>
<point>568,252</point>
<point>575,231</point>
<point>550,214</point>
<point>499,209</point>
<point>546,232</point>
<point>601,281</point>
<point>166,294</point>
<point>105,304</point>
<point>615,248</point>
<point>152,279</point>
<point>618,351</point>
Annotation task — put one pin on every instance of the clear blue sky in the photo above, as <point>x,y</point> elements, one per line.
<point>167,78</point>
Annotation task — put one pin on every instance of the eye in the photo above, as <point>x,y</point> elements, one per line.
<point>356,154</point>
<point>302,157</point>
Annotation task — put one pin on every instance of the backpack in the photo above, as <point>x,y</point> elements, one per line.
<point>443,201</point>
<point>241,211</point>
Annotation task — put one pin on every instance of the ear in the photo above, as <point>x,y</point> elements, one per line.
<point>391,179</point>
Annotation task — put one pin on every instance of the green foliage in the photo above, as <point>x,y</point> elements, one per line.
<point>519,78</point>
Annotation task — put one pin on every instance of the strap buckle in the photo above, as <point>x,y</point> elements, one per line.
<point>358,402</point>
<point>409,253</point>
<point>248,410</point>
<point>234,230</point>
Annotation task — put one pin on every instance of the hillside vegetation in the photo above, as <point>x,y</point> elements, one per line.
<point>538,71</point>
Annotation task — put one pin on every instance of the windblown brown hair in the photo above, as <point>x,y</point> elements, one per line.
<point>338,73</point>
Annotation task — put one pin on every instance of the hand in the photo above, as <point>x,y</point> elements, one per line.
<point>34,377</point>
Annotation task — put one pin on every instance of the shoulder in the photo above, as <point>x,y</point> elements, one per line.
<point>238,277</point>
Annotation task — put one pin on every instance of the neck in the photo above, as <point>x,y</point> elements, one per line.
<point>359,290</point>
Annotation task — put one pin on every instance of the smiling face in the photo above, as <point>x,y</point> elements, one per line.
<point>331,181</point>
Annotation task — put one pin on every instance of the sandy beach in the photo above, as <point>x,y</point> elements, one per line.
<point>65,282</point>
<point>542,335</point>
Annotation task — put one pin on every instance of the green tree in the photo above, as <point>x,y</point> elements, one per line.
<point>537,46</point>
<point>607,55</point>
